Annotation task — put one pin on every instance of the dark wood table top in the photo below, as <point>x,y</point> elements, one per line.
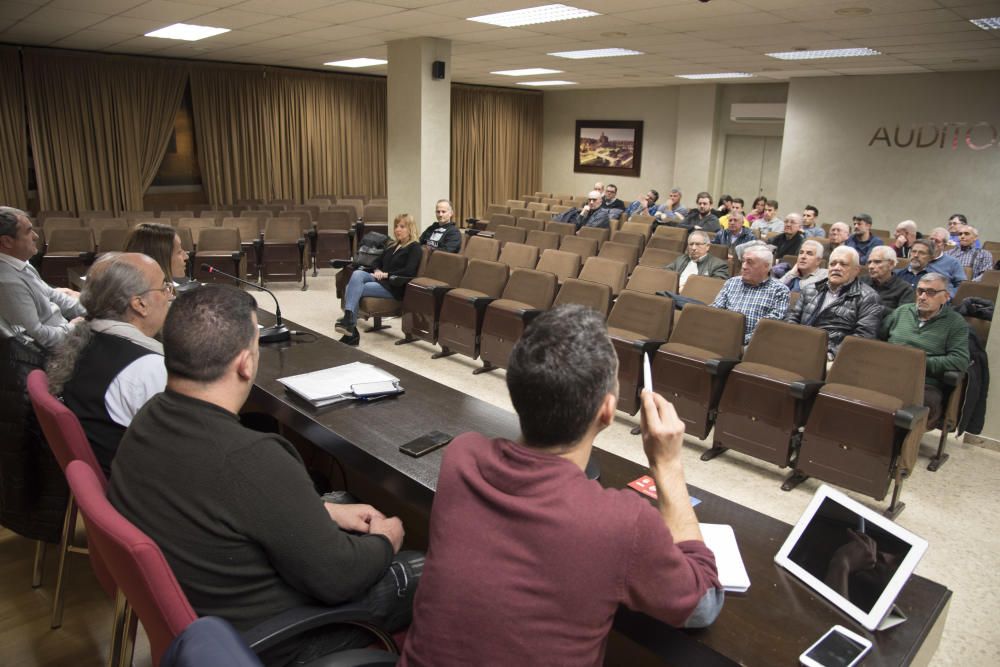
<point>771,624</point>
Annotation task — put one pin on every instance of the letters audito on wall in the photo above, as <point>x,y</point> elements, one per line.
<point>976,136</point>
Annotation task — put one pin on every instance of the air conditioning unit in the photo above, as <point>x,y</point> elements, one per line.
<point>757,112</point>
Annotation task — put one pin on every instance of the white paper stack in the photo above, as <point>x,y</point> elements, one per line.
<point>334,384</point>
<point>721,539</point>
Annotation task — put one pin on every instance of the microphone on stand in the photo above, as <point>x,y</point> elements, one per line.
<point>274,334</point>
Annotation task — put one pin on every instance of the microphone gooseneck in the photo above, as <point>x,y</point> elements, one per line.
<point>273,334</point>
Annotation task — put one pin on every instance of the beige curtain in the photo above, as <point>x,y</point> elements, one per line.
<point>264,133</point>
<point>496,146</point>
<point>13,133</point>
<point>99,126</point>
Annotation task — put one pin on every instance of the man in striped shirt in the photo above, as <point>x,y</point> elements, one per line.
<point>754,292</point>
<point>969,254</point>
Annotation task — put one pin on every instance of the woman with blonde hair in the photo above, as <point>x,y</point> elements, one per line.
<point>402,259</point>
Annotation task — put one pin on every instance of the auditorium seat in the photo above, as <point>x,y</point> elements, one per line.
<point>424,294</point>
<point>251,238</point>
<point>70,248</point>
<point>657,257</point>
<point>250,203</point>
<point>559,208</point>
<point>643,219</point>
<point>495,208</point>
<point>543,240</point>
<point>98,225</point>
<point>669,238</point>
<point>522,212</point>
<point>527,294</point>
<point>312,209</point>
<point>990,278</point>
<point>282,252</point>
<point>321,202</point>
<point>599,234</point>
<point>87,216</point>
<point>550,202</point>
<point>544,216</point>
<point>768,394</point>
<point>195,225</point>
<point>563,265</point>
<point>609,272</point>
<point>530,199</point>
<point>52,224</point>
<point>482,247</point>
<point>954,386</point>
<point>133,216</point>
<point>519,256</point>
<point>631,238</point>
<point>507,234</point>
<point>514,203</point>
<point>376,217</point>
<point>357,206</point>
<point>304,218</point>
<point>702,288</point>
<point>978,290</point>
<point>722,252</point>
<point>638,227</point>
<point>220,248</point>
<point>463,308</point>
<point>595,296</point>
<point>560,228</point>
<point>690,370</point>
<point>376,308</point>
<point>45,215</point>
<point>361,198</point>
<point>638,324</point>
<point>865,427</point>
<point>536,206</point>
<point>583,247</point>
<point>650,280</point>
<point>112,239</point>
<point>622,252</point>
<point>530,224</point>
<point>174,216</point>
<point>498,219</point>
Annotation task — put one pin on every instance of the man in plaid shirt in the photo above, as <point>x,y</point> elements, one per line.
<point>968,254</point>
<point>754,293</point>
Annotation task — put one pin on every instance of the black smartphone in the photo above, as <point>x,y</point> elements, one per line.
<point>425,444</point>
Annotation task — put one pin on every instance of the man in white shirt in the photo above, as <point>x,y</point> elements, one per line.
<point>28,304</point>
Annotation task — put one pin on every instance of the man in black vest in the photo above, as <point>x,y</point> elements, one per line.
<point>110,365</point>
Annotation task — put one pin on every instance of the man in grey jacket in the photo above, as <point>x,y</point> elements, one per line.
<point>841,304</point>
<point>698,261</point>
<point>28,304</point>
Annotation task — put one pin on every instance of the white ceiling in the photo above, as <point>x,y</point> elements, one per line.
<point>677,36</point>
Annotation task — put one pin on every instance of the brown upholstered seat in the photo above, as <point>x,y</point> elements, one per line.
<point>507,234</point>
<point>609,272</point>
<point>638,324</point>
<point>514,203</point>
<point>498,219</point>
<point>371,307</point>
<point>768,395</point>
<point>537,206</point>
<point>650,280</point>
<point>657,257</point>
<point>482,247</point>
<point>643,219</point>
<point>527,293</point>
<point>630,238</point>
<point>463,308</point>
<point>622,252</point>
<point>174,216</point>
<point>519,256</point>
<point>424,294</point>
<point>703,288</point>
<point>600,234</point>
<point>70,248</point>
<point>54,223</point>
<point>585,248</point>
<point>522,212</point>
<point>593,295</point>
<point>865,426</point>
<point>635,226</point>
<point>282,254</point>
<point>356,205</point>
<point>543,240</point>
<point>562,264</point>
<point>495,208</point>
<point>560,228</point>
<point>669,238</point>
<point>530,224</point>
<point>219,247</point>
<point>691,369</point>
<point>251,237</point>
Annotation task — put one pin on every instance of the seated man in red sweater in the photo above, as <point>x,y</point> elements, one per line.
<point>529,559</point>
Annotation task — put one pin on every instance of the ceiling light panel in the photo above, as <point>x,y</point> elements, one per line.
<point>719,75</point>
<point>827,53</point>
<point>357,62</point>
<point>186,32</point>
<point>534,16</point>
<point>596,53</point>
<point>992,23</point>
<point>546,83</point>
<point>530,71</point>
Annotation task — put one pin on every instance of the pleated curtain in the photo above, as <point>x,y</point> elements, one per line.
<point>496,146</point>
<point>99,126</point>
<point>13,132</point>
<point>267,134</point>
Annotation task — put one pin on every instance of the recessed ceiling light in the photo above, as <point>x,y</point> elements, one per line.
<point>546,83</point>
<point>534,15</point>
<point>852,11</point>
<point>596,53</point>
<point>530,71</point>
<point>357,62</point>
<point>826,53</point>
<point>992,23</point>
<point>720,75</point>
<point>187,32</point>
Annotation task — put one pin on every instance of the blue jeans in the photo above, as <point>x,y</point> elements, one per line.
<point>363,284</point>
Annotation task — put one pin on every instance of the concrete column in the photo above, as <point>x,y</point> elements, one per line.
<point>694,157</point>
<point>418,158</point>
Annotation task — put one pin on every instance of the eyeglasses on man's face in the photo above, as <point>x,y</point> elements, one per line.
<point>167,288</point>
<point>929,291</point>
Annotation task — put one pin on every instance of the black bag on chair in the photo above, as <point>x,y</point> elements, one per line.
<point>370,249</point>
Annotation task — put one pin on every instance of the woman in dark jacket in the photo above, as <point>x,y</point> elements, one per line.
<point>400,260</point>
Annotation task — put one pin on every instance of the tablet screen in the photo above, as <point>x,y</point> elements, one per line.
<point>851,555</point>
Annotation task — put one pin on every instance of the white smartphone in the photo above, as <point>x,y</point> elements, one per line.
<point>837,648</point>
<point>647,373</point>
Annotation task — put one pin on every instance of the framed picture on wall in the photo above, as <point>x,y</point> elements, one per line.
<point>608,147</point>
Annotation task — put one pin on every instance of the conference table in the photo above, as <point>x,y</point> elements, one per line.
<point>771,624</point>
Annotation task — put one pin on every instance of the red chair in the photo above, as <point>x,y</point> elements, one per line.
<point>69,443</point>
<point>148,589</point>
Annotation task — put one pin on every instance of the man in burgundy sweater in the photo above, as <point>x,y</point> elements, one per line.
<point>529,559</point>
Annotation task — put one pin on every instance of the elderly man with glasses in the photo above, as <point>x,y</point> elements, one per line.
<point>111,364</point>
<point>933,326</point>
<point>594,213</point>
<point>969,254</point>
<point>698,261</point>
<point>891,289</point>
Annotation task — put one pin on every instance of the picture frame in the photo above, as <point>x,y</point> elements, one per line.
<point>611,147</point>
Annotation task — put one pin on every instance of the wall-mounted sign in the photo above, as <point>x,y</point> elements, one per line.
<point>977,136</point>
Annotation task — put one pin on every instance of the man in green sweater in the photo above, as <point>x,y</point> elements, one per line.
<point>234,510</point>
<point>933,326</point>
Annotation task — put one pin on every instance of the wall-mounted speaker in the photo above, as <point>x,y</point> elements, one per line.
<point>437,69</point>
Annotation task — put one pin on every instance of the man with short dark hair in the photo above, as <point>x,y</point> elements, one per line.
<point>735,204</point>
<point>110,365</point>
<point>754,292</point>
<point>891,289</point>
<point>671,210</point>
<point>644,205</point>
<point>841,304</point>
<point>702,217</point>
<point>920,256</point>
<point>28,304</point>
<point>698,261</point>
<point>735,233</point>
<point>955,223</point>
<point>770,222</point>
<point>810,223</point>
<point>863,240</point>
<point>234,510</point>
<point>528,560</point>
<point>725,206</point>
<point>933,326</point>
<point>611,199</point>
<point>443,234</point>
<point>594,213</point>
